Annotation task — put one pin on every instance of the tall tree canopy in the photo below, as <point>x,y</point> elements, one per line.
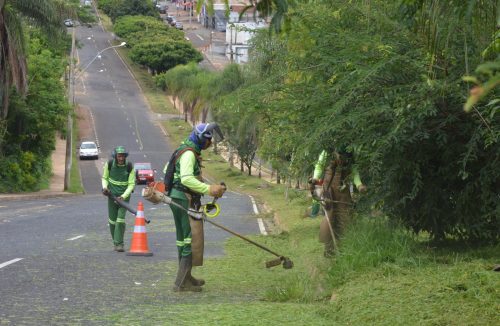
<point>46,14</point>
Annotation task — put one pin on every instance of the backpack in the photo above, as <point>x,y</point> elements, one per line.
<point>168,180</point>
<point>129,166</point>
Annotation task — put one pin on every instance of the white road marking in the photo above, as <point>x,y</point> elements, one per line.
<point>7,263</point>
<point>255,209</point>
<point>201,38</point>
<point>261,226</point>
<point>95,129</point>
<point>138,134</point>
<point>77,237</point>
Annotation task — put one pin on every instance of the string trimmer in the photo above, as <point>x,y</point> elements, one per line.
<point>153,195</point>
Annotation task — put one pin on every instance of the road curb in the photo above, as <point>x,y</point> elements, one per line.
<point>32,196</point>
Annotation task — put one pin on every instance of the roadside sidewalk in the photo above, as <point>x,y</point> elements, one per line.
<point>56,187</point>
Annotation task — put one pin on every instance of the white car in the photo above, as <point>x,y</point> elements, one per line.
<point>88,149</point>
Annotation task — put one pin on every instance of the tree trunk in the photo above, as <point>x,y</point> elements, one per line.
<point>185,111</point>
<point>231,156</point>
<point>204,115</point>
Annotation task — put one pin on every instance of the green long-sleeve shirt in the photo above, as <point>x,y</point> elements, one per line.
<point>118,180</point>
<point>187,163</point>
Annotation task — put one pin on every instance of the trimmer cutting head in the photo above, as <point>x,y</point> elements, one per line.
<point>287,263</point>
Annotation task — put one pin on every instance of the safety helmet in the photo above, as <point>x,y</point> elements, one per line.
<point>119,150</point>
<point>204,131</point>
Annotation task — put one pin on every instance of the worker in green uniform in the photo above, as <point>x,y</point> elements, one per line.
<point>118,179</point>
<point>317,181</point>
<point>331,186</point>
<point>187,189</point>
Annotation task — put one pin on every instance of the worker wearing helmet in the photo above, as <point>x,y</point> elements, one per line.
<point>118,179</point>
<point>187,189</point>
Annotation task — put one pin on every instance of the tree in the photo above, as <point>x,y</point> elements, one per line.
<point>161,56</point>
<point>118,8</point>
<point>34,118</point>
<point>368,78</point>
<point>46,14</point>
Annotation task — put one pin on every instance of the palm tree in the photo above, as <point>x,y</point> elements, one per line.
<point>46,14</point>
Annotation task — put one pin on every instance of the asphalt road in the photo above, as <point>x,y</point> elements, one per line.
<point>57,264</point>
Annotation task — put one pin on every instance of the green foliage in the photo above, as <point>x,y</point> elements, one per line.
<point>160,56</point>
<point>354,76</point>
<point>84,14</point>
<point>157,35</point>
<point>34,119</point>
<point>368,244</point>
<point>126,25</point>
<point>21,171</point>
<point>118,8</point>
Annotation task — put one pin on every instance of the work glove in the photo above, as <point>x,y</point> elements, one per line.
<point>106,192</point>
<point>216,190</point>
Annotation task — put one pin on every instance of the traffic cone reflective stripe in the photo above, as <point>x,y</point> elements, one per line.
<point>139,245</point>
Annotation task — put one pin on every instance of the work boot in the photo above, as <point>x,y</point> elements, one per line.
<point>194,281</point>
<point>182,282</point>
<point>119,248</point>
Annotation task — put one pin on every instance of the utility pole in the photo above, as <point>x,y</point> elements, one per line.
<point>69,127</point>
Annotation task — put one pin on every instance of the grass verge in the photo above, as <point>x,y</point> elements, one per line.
<point>75,181</point>
<point>382,275</point>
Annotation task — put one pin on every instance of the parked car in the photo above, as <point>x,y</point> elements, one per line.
<point>144,174</point>
<point>178,25</point>
<point>169,19</point>
<point>68,23</point>
<point>88,149</point>
<point>162,9</point>
<point>173,22</point>
<point>220,26</point>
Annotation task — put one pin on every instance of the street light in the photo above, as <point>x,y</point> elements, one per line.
<point>98,55</point>
<point>69,138</point>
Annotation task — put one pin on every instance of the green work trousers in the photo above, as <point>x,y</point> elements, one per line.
<point>182,227</point>
<point>116,220</point>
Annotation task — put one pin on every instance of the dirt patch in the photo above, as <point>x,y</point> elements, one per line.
<point>84,120</point>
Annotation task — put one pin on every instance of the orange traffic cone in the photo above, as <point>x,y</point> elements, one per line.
<point>139,245</point>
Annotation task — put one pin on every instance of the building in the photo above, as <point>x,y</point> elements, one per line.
<point>238,36</point>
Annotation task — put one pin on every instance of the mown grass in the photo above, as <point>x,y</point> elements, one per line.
<point>382,275</point>
<point>75,181</point>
